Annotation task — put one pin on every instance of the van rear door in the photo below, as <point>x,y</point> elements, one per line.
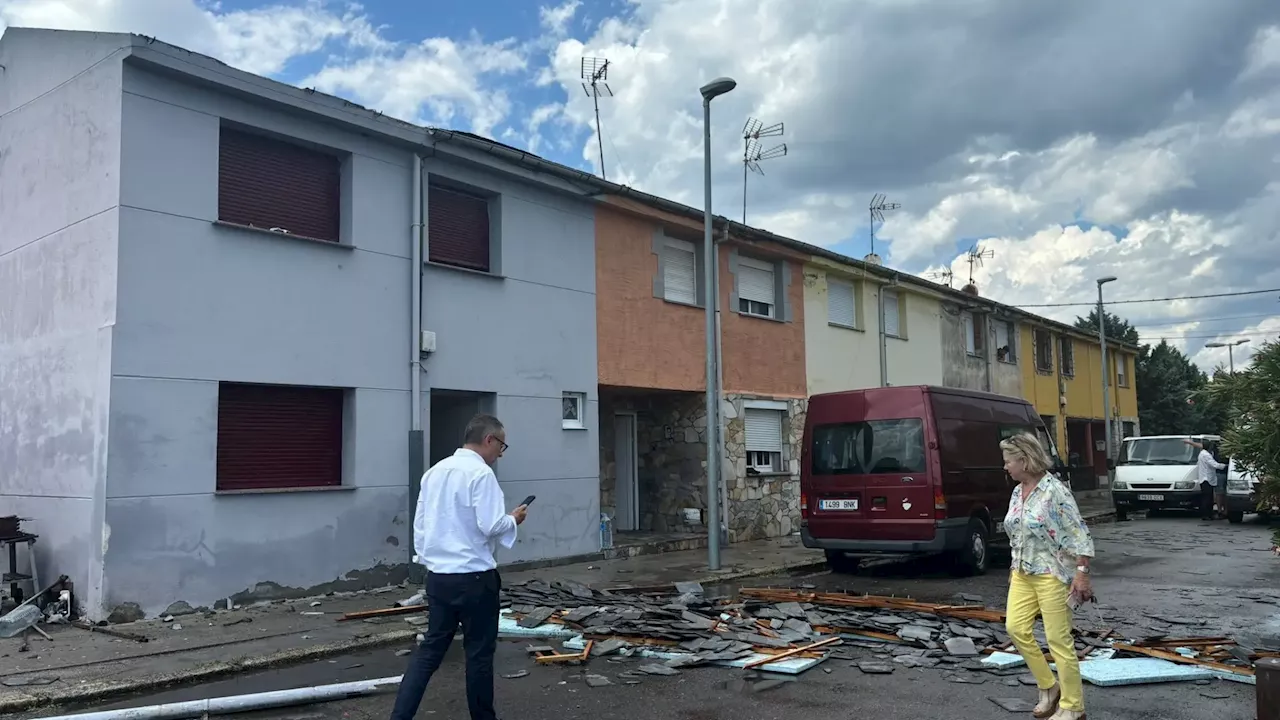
<point>869,479</point>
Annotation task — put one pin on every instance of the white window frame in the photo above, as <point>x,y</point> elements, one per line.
<point>580,400</point>
<point>672,246</point>
<point>886,296</point>
<point>970,324</point>
<point>754,305</point>
<point>837,292</point>
<point>1011,341</point>
<point>1067,355</point>
<point>766,457</point>
<point>1122,376</point>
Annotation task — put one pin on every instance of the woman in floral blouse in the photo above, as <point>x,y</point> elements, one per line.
<point>1051,553</point>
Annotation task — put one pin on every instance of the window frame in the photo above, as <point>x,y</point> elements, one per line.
<point>1011,329</point>
<point>1122,370</point>
<point>580,401</point>
<point>1067,355</point>
<point>774,457</point>
<point>974,330</point>
<point>747,306</point>
<point>322,418</point>
<point>305,204</point>
<point>853,287</point>
<point>898,301</point>
<point>437,185</point>
<point>1036,334</point>
<point>669,245</point>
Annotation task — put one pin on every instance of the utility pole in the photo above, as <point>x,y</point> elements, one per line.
<point>1106,370</point>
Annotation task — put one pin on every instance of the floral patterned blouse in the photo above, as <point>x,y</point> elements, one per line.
<point>1046,532</point>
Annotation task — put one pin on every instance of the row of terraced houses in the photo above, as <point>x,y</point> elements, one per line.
<point>240,318</point>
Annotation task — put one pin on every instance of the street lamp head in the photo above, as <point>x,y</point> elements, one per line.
<point>1107,279</point>
<point>1215,345</point>
<point>717,87</point>
<point>1241,342</point>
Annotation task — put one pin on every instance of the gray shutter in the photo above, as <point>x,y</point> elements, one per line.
<point>755,281</point>
<point>763,430</point>
<point>679,272</point>
<point>841,307</point>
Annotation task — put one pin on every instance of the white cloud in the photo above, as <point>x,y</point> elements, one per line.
<point>556,19</point>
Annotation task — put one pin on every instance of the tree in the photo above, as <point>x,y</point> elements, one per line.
<point>1118,328</point>
<point>1252,437</point>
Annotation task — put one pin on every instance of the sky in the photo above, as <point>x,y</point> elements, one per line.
<point>1065,141</point>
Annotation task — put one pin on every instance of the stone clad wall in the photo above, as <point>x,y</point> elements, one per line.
<point>762,506</point>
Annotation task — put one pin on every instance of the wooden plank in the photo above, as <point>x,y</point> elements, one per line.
<point>1175,657</point>
<point>383,612</point>
<point>790,653</point>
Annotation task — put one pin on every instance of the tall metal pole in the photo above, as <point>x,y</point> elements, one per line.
<point>599,134</point>
<point>1106,374</point>
<point>710,265</point>
<point>1231,358</point>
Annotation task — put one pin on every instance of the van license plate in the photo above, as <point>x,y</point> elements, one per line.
<point>1151,498</point>
<point>845,504</point>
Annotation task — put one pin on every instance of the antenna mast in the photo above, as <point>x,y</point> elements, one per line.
<point>753,153</point>
<point>974,257</point>
<point>595,73</point>
<point>876,209</point>
<point>945,275</point>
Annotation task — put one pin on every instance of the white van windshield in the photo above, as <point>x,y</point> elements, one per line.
<point>1157,451</point>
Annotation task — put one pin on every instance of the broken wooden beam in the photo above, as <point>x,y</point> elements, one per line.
<point>382,612</point>
<point>790,653</point>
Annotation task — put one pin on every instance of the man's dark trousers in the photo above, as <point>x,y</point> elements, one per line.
<point>1206,501</point>
<point>470,600</point>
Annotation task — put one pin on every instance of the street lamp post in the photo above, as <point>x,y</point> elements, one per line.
<point>1106,372</point>
<point>711,264</point>
<point>1231,352</point>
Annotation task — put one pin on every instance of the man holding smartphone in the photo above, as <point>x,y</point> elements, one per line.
<point>460,521</point>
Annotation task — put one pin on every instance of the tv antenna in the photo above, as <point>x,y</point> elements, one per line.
<point>877,208</point>
<point>595,73</point>
<point>975,257</point>
<point>946,275</point>
<point>753,153</point>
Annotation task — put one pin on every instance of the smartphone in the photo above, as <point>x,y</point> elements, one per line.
<point>529,500</point>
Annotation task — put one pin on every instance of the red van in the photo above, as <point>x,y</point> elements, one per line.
<point>909,471</point>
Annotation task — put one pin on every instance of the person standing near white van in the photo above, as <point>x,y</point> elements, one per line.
<point>1207,471</point>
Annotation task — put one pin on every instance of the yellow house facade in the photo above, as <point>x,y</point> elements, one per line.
<point>843,316</point>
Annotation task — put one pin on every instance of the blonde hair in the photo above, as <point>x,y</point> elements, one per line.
<point>1028,449</point>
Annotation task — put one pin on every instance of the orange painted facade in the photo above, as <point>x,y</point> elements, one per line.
<point>648,342</point>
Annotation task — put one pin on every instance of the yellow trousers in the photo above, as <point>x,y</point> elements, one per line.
<point>1045,596</point>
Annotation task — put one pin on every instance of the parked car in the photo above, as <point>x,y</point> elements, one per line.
<point>1157,472</point>
<point>1242,494</point>
<point>909,471</point>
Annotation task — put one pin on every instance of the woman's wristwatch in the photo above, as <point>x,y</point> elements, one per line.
<point>1084,569</point>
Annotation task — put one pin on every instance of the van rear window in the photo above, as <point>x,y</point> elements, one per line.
<point>869,447</point>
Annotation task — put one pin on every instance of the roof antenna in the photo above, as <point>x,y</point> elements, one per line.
<point>876,208</point>
<point>945,275</point>
<point>595,71</point>
<point>753,153</point>
<point>974,257</point>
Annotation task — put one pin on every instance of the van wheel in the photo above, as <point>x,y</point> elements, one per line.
<point>1122,515</point>
<point>975,556</point>
<point>841,563</point>
<point>1235,518</point>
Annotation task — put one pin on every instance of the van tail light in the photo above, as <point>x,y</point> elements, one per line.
<point>939,504</point>
<point>804,505</point>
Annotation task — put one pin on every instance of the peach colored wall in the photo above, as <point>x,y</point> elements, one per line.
<point>647,342</point>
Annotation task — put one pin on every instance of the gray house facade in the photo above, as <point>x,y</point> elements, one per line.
<point>238,319</point>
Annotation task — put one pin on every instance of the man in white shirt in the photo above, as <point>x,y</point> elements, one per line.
<point>1207,471</point>
<point>460,520</point>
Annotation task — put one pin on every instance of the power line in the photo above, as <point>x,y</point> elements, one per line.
<point>1145,324</point>
<point>1150,336</point>
<point>1151,300</point>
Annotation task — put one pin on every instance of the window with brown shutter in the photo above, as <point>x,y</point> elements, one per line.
<point>457,228</point>
<point>269,184</point>
<point>279,436</point>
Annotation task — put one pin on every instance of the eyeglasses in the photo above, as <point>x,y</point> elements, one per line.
<point>501,442</point>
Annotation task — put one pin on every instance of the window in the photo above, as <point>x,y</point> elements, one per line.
<point>763,431</point>
<point>756,288</point>
<point>679,272</point>
<point>892,313</point>
<point>973,332</point>
<point>1067,351</point>
<point>1006,343</point>
<point>869,447</point>
<point>458,228</point>
<point>1044,350</point>
<point>572,411</point>
<point>1122,375</point>
<point>279,436</point>
<point>842,304</point>
<point>275,185</point>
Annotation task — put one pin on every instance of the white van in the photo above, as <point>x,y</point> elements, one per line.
<point>1242,493</point>
<point>1157,472</point>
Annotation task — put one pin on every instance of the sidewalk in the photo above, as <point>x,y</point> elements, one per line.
<point>80,666</point>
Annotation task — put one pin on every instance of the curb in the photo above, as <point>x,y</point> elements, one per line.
<point>104,689</point>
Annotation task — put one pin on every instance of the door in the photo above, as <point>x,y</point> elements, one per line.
<point>625,488</point>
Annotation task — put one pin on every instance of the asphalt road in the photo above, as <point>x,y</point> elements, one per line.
<point>1174,575</point>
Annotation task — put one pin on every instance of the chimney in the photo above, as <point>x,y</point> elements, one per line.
<point>970,289</point>
<point>872,259</point>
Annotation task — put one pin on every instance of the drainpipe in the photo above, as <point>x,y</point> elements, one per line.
<point>416,440</point>
<point>986,348</point>
<point>884,339</point>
